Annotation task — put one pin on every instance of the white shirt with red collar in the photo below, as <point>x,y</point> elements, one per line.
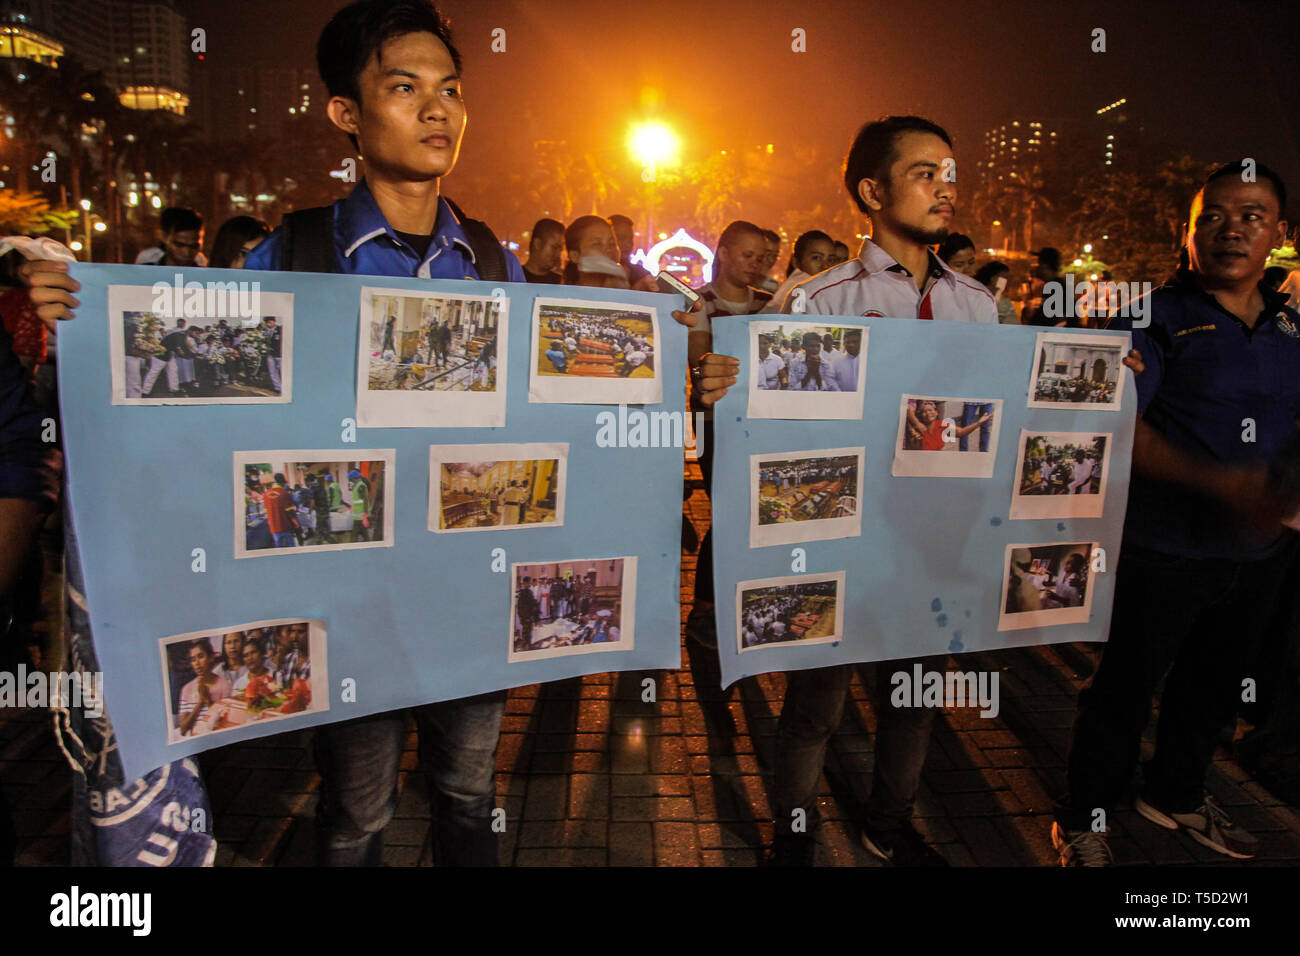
<point>874,284</point>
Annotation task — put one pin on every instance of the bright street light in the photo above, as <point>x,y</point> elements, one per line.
<point>652,142</point>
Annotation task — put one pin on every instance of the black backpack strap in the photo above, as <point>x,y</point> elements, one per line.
<point>489,257</point>
<point>307,241</point>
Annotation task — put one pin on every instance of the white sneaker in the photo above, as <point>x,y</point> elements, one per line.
<point>1208,825</point>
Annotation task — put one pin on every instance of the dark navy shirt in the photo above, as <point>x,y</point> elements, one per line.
<point>366,244</point>
<point>1208,377</point>
<point>29,467</point>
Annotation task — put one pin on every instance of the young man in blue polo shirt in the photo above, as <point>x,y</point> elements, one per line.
<point>394,81</point>
<point>1204,547</point>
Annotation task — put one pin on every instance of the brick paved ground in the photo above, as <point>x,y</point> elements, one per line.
<point>590,775</point>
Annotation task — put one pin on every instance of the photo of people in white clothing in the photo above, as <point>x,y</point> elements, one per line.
<point>160,358</point>
<point>1061,475</point>
<point>824,364</point>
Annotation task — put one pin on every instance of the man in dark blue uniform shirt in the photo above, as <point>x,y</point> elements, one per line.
<point>1204,547</point>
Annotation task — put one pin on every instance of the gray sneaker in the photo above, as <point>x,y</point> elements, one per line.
<point>1081,847</point>
<point>1207,825</point>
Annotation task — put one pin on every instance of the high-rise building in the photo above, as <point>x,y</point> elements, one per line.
<point>1012,149</point>
<point>151,51</point>
<point>259,100</point>
<point>141,46</point>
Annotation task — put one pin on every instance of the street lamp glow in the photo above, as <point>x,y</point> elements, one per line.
<point>1087,247</point>
<point>652,142</point>
<point>85,204</point>
<point>75,245</point>
<point>101,226</point>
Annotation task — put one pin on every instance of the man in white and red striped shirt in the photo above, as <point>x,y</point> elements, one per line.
<point>899,171</point>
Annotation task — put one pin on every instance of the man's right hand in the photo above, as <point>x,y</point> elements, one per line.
<point>50,287</point>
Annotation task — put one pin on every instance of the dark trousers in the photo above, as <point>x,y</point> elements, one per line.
<point>359,762</point>
<point>811,713</point>
<point>1201,621</point>
<point>704,565</point>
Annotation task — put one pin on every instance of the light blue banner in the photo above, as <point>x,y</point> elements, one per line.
<point>425,620</point>
<point>926,574</point>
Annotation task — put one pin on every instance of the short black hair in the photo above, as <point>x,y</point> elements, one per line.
<point>991,270</point>
<point>543,229</point>
<point>180,219</point>
<point>873,152</point>
<point>954,243</point>
<point>771,235</point>
<point>1259,171</point>
<point>359,31</point>
<point>735,231</point>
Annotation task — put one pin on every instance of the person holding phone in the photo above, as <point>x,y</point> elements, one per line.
<point>994,277</point>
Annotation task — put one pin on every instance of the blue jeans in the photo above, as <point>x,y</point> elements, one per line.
<point>971,413</point>
<point>359,760</point>
<point>285,539</point>
<point>811,713</point>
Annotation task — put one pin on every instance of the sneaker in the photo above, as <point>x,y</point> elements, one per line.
<point>901,847</point>
<point>1207,825</point>
<point>1081,847</point>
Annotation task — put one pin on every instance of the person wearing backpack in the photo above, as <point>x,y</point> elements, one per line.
<point>393,77</point>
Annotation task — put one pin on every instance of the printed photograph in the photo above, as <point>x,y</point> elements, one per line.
<point>1046,584</point>
<point>431,360</point>
<point>818,370</point>
<point>572,607</point>
<point>496,487</point>
<point>594,352</point>
<point>947,437</point>
<point>1078,371</point>
<point>433,343</point>
<point>806,609</point>
<point>243,675</point>
<point>805,496</point>
<point>1061,475</point>
<point>160,358</point>
<point>291,502</point>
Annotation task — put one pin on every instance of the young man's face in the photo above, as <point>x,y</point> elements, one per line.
<point>546,256</point>
<point>182,247</point>
<point>915,201</point>
<point>1233,227</point>
<point>853,343</point>
<point>411,117</point>
<point>742,261</point>
<point>927,412</point>
<point>623,233</point>
<point>770,251</point>
<point>763,349</point>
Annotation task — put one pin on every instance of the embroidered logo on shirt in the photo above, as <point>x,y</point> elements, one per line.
<point>1196,328</point>
<point>873,314</point>
<point>1287,326</point>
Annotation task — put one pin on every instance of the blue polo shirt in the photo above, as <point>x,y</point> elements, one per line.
<point>1206,373</point>
<point>366,244</point>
